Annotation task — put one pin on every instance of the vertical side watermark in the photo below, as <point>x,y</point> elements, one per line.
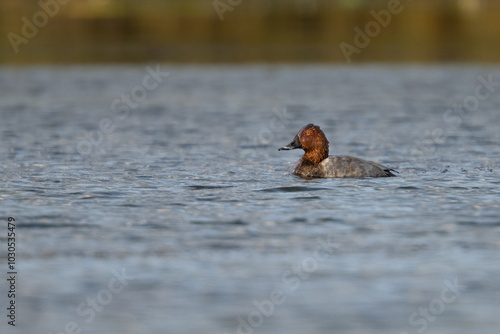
<point>11,271</point>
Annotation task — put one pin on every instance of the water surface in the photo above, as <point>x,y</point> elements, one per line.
<point>187,196</point>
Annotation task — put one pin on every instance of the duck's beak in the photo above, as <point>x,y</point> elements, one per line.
<point>293,145</point>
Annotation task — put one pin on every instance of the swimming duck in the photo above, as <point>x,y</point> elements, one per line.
<point>315,163</point>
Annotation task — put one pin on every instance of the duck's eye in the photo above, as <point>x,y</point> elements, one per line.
<point>308,132</point>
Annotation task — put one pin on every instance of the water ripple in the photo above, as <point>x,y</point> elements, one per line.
<point>292,189</point>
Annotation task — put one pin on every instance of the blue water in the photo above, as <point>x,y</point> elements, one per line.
<point>179,191</point>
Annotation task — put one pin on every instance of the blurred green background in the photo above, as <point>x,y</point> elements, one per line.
<point>103,31</point>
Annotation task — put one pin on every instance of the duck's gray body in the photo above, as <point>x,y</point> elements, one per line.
<point>341,166</point>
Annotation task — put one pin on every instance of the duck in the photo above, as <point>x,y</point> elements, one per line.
<point>315,163</point>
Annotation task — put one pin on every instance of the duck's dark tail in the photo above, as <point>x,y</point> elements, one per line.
<point>388,172</point>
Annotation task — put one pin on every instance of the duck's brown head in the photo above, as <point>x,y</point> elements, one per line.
<point>313,141</point>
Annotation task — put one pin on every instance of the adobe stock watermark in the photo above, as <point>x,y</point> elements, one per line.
<point>89,308</point>
<point>291,279</point>
<point>120,107</point>
<point>425,315</point>
<point>222,6</point>
<point>372,29</point>
<point>454,117</point>
<point>278,122</point>
<point>30,28</point>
